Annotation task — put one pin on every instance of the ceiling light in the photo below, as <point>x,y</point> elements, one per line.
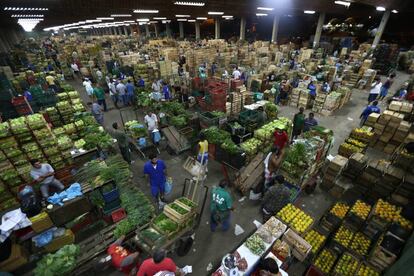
<point>145,11</point>
<point>308,12</point>
<point>201,18</point>
<point>159,18</point>
<point>195,4</point>
<point>181,19</point>
<point>191,20</point>
<point>215,13</point>
<point>261,14</point>
<point>153,22</point>
<point>29,24</point>
<point>394,11</point>
<point>380,8</point>
<point>105,18</point>
<point>142,19</point>
<point>182,15</point>
<point>93,20</point>
<point>24,9</point>
<point>129,21</point>
<point>142,23</point>
<point>264,9</point>
<point>166,21</point>
<point>343,3</point>
<point>81,22</point>
<point>27,15</point>
<point>227,16</point>
<point>121,15</point>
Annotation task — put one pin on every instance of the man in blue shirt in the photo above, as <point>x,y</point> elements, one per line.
<point>141,82</point>
<point>310,122</point>
<point>312,90</point>
<point>130,92</point>
<point>156,170</point>
<point>368,110</point>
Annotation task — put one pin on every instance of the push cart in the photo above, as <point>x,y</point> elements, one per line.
<point>182,241</point>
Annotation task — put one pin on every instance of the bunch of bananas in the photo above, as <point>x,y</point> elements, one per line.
<point>347,265</point>
<point>315,239</point>
<point>349,148</point>
<point>356,143</point>
<point>387,211</point>
<point>365,270</point>
<point>360,244</point>
<point>343,236</point>
<point>288,213</point>
<point>325,261</point>
<point>339,210</point>
<point>361,209</point>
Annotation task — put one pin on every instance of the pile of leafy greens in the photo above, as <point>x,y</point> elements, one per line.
<point>60,263</point>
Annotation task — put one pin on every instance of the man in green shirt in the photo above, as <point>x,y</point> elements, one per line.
<point>220,206</point>
<point>123,141</point>
<point>298,123</point>
<point>99,93</point>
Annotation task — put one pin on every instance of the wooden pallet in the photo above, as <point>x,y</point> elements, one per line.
<point>177,142</point>
<point>250,175</point>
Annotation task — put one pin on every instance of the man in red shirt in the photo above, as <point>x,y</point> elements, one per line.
<point>121,258</point>
<point>156,264</point>
<point>281,138</point>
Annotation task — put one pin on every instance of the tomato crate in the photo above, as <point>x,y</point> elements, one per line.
<point>118,215</point>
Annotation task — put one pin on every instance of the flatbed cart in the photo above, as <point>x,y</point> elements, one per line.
<point>130,115</point>
<point>182,241</point>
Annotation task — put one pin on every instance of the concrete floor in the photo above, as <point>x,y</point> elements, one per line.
<point>209,247</point>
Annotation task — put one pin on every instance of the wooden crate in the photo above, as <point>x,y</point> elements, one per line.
<point>41,222</point>
<point>57,243</point>
<point>292,238</point>
<point>174,215</point>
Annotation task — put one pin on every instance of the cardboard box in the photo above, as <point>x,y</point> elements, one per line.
<point>41,222</point>
<point>373,117</point>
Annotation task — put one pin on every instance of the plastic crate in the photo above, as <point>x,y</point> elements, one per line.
<point>111,206</point>
<point>118,215</point>
<point>294,191</point>
<point>208,119</point>
<point>248,116</point>
<point>111,195</point>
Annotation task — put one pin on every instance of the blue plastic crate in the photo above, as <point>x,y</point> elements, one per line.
<point>294,191</point>
<point>111,195</point>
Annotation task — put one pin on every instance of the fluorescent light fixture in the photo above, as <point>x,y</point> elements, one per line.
<point>181,19</point>
<point>264,9</point>
<point>145,11</point>
<point>227,16</point>
<point>129,21</point>
<point>121,15</point>
<point>166,21</point>
<point>143,20</point>
<point>182,15</point>
<point>105,18</point>
<point>152,22</point>
<point>215,13</point>
<point>142,23</point>
<point>93,20</point>
<point>191,20</point>
<point>202,18</point>
<point>81,22</point>
<point>309,12</point>
<point>394,11</point>
<point>24,9</point>
<point>28,24</point>
<point>379,8</point>
<point>343,3</point>
<point>195,4</point>
<point>261,14</point>
<point>27,15</point>
<point>159,18</point>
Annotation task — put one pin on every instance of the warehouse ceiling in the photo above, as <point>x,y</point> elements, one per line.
<point>60,12</point>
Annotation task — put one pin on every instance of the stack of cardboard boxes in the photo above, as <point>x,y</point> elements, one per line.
<point>333,172</point>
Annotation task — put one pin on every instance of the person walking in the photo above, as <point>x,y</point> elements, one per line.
<point>75,69</point>
<point>220,206</point>
<point>130,88</point>
<point>166,91</point>
<point>386,86</point>
<point>113,93</point>
<point>298,123</point>
<point>123,142</point>
<point>121,88</point>
<point>97,112</point>
<point>152,123</point>
<point>202,149</point>
<point>88,87</point>
<point>312,90</point>
<point>44,174</point>
<point>99,93</point>
<point>367,111</point>
<point>375,90</point>
<point>310,122</point>
<point>280,138</point>
<point>156,170</point>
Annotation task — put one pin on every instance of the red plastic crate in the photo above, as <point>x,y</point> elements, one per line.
<point>20,100</point>
<point>118,215</point>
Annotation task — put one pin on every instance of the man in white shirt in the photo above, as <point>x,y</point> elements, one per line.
<point>375,90</point>
<point>156,90</point>
<point>152,122</point>
<point>121,88</point>
<point>99,74</point>
<point>113,93</point>
<point>236,74</point>
<point>88,87</point>
<point>75,69</point>
<point>45,175</point>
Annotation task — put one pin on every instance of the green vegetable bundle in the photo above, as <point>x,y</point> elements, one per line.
<point>165,224</point>
<point>216,136</point>
<point>230,147</point>
<point>173,108</point>
<point>60,263</point>
<point>179,121</point>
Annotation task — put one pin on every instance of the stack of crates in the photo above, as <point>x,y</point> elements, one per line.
<point>111,198</point>
<point>216,95</point>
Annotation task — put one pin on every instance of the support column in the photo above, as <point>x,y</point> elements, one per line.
<point>125,30</point>
<point>275,29</point>
<point>181,26</point>
<point>318,32</point>
<point>217,28</point>
<point>147,33</point>
<point>243,28</point>
<point>197,30</point>
<point>120,30</point>
<point>168,29</point>
<point>156,29</point>
<point>381,28</point>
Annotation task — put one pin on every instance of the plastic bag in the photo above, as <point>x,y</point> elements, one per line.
<point>168,186</point>
<point>197,169</point>
<point>156,136</point>
<point>142,142</point>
